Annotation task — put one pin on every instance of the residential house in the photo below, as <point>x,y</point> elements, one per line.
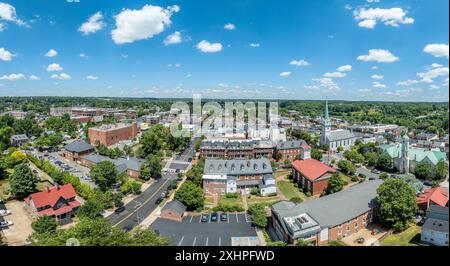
<point>432,197</point>
<point>19,140</point>
<point>58,202</point>
<point>173,210</point>
<point>435,228</point>
<point>130,166</point>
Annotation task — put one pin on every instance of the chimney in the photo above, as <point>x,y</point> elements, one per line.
<point>47,189</point>
<point>57,187</point>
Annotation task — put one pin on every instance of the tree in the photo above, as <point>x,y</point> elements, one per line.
<point>340,149</point>
<point>423,171</point>
<point>384,176</point>
<point>18,157</point>
<point>371,158</point>
<point>347,167</point>
<point>302,243</point>
<point>325,147</point>
<point>190,195</point>
<point>44,224</point>
<point>441,170</point>
<point>354,156</point>
<point>258,213</point>
<point>384,162</point>
<point>335,184</point>
<point>91,209</point>
<point>117,199</point>
<point>154,165</point>
<point>151,142</point>
<point>22,182</point>
<point>104,174</point>
<point>397,203</point>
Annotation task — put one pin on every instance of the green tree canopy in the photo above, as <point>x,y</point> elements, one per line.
<point>190,195</point>
<point>104,174</point>
<point>44,224</point>
<point>347,167</point>
<point>397,203</point>
<point>22,182</point>
<point>335,184</point>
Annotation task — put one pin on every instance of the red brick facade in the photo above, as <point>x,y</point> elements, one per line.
<point>112,135</point>
<point>316,187</point>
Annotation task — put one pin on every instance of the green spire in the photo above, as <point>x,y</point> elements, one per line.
<point>326,120</point>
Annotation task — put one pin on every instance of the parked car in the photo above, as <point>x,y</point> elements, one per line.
<point>5,212</point>
<point>5,224</point>
<point>214,217</point>
<point>120,209</point>
<point>223,217</point>
<point>159,200</point>
<point>205,218</point>
<point>428,183</point>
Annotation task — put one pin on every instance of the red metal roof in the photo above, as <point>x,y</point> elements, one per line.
<point>312,168</point>
<point>50,196</point>
<point>65,209</point>
<point>437,195</point>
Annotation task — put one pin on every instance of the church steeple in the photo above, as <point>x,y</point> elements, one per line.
<point>326,121</point>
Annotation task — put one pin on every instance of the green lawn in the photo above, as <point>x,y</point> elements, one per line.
<point>337,243</point>
<point>231,201</point>
<point>409,237</point>
<point>289,191</point>
<point>282,173</point>
<point>265,200</point>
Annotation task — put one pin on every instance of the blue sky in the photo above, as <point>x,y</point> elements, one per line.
<point>348,50</point>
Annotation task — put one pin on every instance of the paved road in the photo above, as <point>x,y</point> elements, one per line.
<point>366,172</point>
<point>140,208</point>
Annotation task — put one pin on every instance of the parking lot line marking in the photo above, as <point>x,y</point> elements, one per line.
<point>206,241</point>
<point>200,219</point>
<point>220,240</point>
<point>237,218</point>
<point>191,219</point>
<point>181,241</point>
<point>195,240</point>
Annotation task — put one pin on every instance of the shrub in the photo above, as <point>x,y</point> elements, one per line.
<point>234,195</point>
<point>228,208</point>
<point>255,191</point>
<point>354,178</point>
<point>296,200</point>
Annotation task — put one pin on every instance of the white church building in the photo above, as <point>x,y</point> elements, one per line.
<point>335,138</point>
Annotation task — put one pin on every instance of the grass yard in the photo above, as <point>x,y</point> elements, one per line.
<point>282,173</point>
<point>231,201</point>
<point>43,184</point>
<point>337,243</point>
<point>289,191</point>
<point>209,201</point>
<point>265,200</point>
<point>409,237</point>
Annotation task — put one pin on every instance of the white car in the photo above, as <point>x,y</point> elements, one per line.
<point>5,223</point>
<point>5,212</point>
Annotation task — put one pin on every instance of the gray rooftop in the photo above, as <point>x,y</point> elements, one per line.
<point>436,225</point>
<point>340,134</point>
<point>19,137</point>
<point>238,167</point>
<point>290,144</point>
<point>78,146</point>
<point>175,206</point>
<point>334,209</point>
<point>121,164</point>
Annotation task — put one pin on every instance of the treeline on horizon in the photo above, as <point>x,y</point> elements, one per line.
<point>419,116</point>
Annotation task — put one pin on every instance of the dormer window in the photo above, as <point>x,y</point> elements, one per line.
<point>255,166</point>
<point>242,167</point>
<point>233,167</point>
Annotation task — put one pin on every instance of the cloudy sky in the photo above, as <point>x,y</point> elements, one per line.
<point>350,50</point>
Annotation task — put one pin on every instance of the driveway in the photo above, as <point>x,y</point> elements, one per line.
<point>17,233</point>
<point>140,208</point>
<point>192,232</point>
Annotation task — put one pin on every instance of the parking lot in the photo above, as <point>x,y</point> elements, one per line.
<point>191,231</point>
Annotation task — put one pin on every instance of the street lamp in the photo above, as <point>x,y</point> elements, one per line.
<point>138,205</point>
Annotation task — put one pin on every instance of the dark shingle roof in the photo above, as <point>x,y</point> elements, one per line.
<point>175,206</point>
<point>436,225</point>
<point>238,167</point>
<point>78,146</point>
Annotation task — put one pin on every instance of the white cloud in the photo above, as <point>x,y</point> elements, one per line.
<point>188,75</point>
<point>8,13</point>
<point>345,68</point>
<point>431,74</point>
<point>378,55</point>
<point>33,77</point>
<point>445,84</point>
<point>92,77</point>
<point>13,77</point>
<point>364,90</point>
<point>408,82</point>
<point>83,56</point>
<point>93,24</point>
<point>377,76</point>
<point>299,63</point>
<point>378,85</point>
<point>5,55</point>
<point>207,47</point>
<point>372,1</point>
<point>436,65</point>
<point>62,76</point>
<point>174,65</point>
<point>223,85</point>
<point>124,55</point>
<point>254,45</point>
<point>437,50</point>
<point>311,87</point>
<point>434,87</point>
<point>54,67</point>
<point>173,38</point>
<point>285,74</point>
<point>51,53</point>
<point>368,18</point>
<point>229,26</point>
<point>141,24</point>
<point>335,75</point>
<point>328,83</point>
<point>2,27</point>
<point>348,7</point>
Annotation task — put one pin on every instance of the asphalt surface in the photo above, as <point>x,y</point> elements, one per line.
<point>367,173</point>
<point>192,232</point>
<point>140,208</point>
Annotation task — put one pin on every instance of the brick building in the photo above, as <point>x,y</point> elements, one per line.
<point>327,218</point>
<point>74,150</point>
<point>112,134</point>
<point>237,149</point>
<point>130,166</point>
<point>173,210</point>
<point>311,174</point>
<point>289,150</point>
